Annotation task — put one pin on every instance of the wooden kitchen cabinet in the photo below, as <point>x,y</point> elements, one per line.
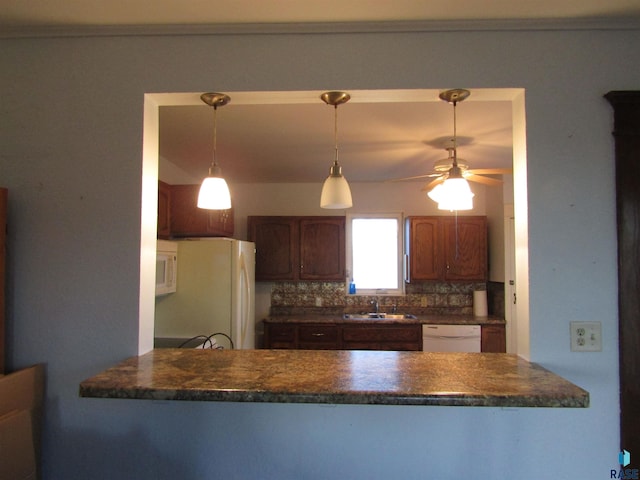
<point>298,248</point>
<point>164,210</point>
<point>318,337</point>
<point>423,248</point>
<point>464,248</point>
<point>187,220</point>
<point>322,248</point>
<point>280,335</point>
<point>447,248</point>
<point>277,244</point>
<point>493,339</point>
<point>382,337</point>
<point>332,336</point>
<point>4,198</point>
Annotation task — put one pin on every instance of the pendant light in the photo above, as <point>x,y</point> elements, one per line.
<point>454,193</point>
<point>214,192</point>
<point>335,191</point>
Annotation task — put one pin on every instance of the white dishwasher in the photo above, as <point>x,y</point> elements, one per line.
<point>450,338</point>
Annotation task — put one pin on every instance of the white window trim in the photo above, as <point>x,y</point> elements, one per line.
<point>400,291</point>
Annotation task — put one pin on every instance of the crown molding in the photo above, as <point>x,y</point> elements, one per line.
<point>54,31</point>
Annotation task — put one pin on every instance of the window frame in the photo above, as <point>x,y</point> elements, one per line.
<point>399,217</point>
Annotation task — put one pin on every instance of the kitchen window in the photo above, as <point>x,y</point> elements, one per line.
<point>374,253</point>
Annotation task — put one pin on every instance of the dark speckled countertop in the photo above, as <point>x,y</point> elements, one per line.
<point>424,319</point>
<point>336,377</point>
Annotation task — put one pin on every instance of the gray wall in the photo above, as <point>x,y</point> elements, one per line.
<point>71,130</point>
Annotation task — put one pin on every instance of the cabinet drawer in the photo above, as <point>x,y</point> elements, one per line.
<point>382,333</point>
<point>282,333</point>
<point>318,333</point>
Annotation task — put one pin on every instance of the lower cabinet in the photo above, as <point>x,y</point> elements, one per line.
<point>334,336</point>
<point>493,339</point>
<point>363,336</point>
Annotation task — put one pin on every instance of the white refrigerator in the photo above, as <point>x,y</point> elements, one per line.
<point>215,293</point>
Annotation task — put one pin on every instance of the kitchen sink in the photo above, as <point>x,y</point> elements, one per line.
<point>369,316</point>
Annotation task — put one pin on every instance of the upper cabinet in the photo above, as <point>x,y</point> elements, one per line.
<point>447,248</point>
<point>298,248</point>
<point>277,246</point>
<point>185,219</point>
<point>164,210</point>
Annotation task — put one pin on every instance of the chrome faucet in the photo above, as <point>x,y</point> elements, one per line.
<point>376,305</point>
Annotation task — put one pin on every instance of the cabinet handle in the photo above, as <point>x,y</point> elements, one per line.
<point>317,334</point>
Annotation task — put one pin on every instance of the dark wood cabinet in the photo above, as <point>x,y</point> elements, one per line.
<point>4,194</point>
<point>464,248</point>
<point>187,220</point>
<point>447,248</point>
<point>164,210</point>
<point>332,336</point>
<point>493,339</point>
<point>626,131</point>
<point>322,248</point>
<point>423,248</point>
<point>318,337</point>
<point>298,248</point>
<point>382,337</point>
<point>277,244</point>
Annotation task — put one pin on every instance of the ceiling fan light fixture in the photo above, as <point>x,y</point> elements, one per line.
<point>214,192</point>
<point>454,193</point>
<point>336,193</point>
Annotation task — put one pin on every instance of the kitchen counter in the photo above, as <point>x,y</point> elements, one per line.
<point>422,319</point>
<point>336,377</point>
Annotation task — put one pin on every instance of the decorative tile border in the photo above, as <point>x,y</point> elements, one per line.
<point>294,298</point>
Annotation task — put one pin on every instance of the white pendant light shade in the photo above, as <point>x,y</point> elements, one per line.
<point>335,191</point>
<point>214,194</point>
<point>214,191</point>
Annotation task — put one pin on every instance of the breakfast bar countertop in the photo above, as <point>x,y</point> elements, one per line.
<point>336,377</point>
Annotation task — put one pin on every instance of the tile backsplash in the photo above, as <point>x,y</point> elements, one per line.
<point>330,298</point>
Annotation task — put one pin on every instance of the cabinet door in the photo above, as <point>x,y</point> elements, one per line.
<point>465,248</point>
<point>322,248</point>
<point>276,240</point>
<point>280,335</point>
<point>4,196</point>
<point>164,210</point>
<point>187,220</point>
<point>423,248</point>
<point>493,339</point>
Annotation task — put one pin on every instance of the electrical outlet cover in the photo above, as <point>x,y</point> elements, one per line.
<point>586,336</point>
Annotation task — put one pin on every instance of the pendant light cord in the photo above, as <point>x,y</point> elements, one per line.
<point>335,132</point>
<point>215,138</point>
<point>455,136</point>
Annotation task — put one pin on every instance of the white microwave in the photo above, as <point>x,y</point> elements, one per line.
<point>166,267</point>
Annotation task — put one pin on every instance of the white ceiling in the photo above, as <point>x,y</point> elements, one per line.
<point>381,135</point>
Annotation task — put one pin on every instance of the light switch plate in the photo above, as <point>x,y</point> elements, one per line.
<point>586,336</point>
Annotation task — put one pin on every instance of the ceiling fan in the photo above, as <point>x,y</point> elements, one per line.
<point>453,165</point>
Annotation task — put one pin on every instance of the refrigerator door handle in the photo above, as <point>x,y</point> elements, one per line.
<point>246,294</point>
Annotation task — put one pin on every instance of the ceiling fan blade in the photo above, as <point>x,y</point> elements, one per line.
<point>493,182</point>
<point>490,171</point>
<point>432,184</point>
<point>404,179</point>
